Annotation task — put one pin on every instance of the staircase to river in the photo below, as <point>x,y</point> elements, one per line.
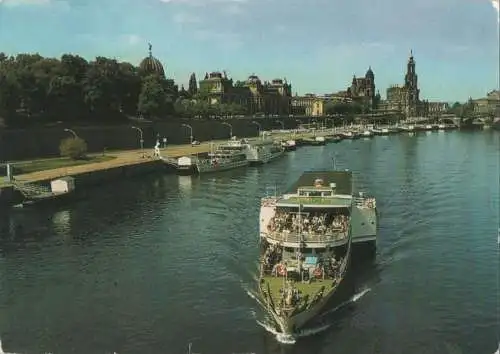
<point>170,161</point>
<point>31,189</point>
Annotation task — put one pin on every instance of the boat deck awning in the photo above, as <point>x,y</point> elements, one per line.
<point>315,202</point>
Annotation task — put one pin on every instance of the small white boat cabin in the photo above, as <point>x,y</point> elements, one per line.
<point>63,185</point>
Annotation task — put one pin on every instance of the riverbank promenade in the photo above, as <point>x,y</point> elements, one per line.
<point>146,156</point>
<point>120,159</point>
<point>129,157</point>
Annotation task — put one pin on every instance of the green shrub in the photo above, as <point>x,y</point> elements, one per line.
<point>74,148</point>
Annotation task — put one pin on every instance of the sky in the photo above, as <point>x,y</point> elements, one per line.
<point>317,45</point>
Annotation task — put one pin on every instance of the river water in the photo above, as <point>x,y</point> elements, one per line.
<point>153,264</point>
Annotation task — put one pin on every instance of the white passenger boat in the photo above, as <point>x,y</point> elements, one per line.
<point>232,154</point>
<point>223,157</point>
<point>306,237</point>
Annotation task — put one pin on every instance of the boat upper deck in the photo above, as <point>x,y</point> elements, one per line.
<point>320,189</point>
<point>341,179</point>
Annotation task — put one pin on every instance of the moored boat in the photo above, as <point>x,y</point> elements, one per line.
<point>289,145</point>
<point>306,238</point>
<point>60,191</point>
<point>408,128</point>
<point>261,152</point>
<point>443,126</point>
<point>395,130</point>
<point>351,134</point>
<point>224,157</point>
<point>367,134</point>
<point>337,138</point>
<point>228,156</point>
<point>318,141</point>
<point>376,131</point>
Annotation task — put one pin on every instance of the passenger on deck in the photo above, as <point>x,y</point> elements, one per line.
<point>311,223</point>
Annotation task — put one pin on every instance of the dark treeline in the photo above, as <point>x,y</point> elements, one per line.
<point>36,90</point>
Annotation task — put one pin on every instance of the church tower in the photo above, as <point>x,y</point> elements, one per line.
<point>411,87</point>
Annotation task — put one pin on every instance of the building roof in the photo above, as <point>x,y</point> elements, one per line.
<point>342,179</point>
<point>369,73</point>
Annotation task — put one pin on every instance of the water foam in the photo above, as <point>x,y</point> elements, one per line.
<point>353,299</point>
<point>1,349</point>
<point>306,332</point>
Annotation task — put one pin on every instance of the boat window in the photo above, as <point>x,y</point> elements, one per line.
<point>315,194</point>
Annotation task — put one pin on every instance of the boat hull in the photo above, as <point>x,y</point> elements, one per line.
<point>335,297</point>
<point>224,166</point>
<point>47,200</point>
<point>186,170</point>
<point>266,158</point>
<point>318,143</point>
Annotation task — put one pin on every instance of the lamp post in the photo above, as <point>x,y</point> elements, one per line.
<point>258,126</point>
<point>326,123</point>
<point>141,138</point>
<point>72,132</point>
<point>282,124</point>
<point>190,132</point>
<point>230,129</point>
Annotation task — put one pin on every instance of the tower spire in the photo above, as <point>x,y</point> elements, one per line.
<point>150,50</point>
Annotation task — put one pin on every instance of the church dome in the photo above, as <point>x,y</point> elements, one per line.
<point>151,65</point>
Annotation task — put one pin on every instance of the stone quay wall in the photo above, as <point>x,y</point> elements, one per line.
<point>44,142</point>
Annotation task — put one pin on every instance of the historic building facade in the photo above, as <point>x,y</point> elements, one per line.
<point>272,98</point>
<point>362,89</point>
<point>489,105</point>
<point>406,98</point>
<point>438,108</point>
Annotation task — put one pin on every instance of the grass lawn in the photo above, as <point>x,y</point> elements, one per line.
<point>50,164</point>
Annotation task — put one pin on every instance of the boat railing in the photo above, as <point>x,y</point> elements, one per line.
<point>296,237</point>
<point>366,202</point>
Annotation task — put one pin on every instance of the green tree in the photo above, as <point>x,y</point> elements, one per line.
<point>35,89</point>
<point>153,102</point>
<point>10,91</point>
<point>101,87</point>
<point>337,108</point>
<point>74,148</point>
<point>201,109</point>
<point>129,87</point>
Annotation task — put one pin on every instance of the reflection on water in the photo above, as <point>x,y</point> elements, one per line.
<point>185,184</point>
<point>61,222</point>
